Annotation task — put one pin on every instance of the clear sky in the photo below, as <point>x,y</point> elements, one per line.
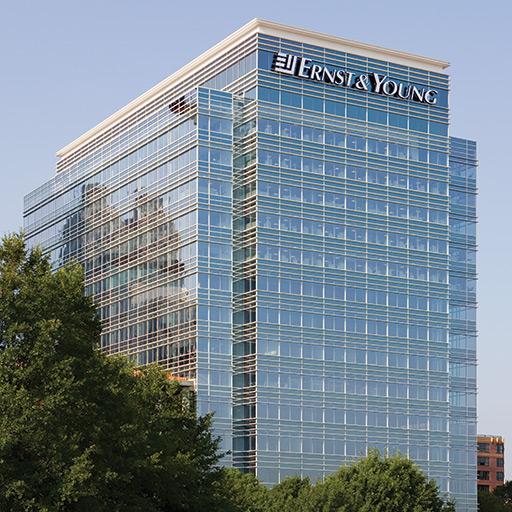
<point>66,65</point>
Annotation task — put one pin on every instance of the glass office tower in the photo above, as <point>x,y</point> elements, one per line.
<point>286,223</point>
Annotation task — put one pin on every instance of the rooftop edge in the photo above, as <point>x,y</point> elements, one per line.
<point>264,27</point>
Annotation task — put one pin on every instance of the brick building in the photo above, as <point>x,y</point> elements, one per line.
<point>490,462</point>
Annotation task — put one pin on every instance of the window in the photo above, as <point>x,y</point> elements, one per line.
<point>311,103</point>
<point>221,125</point>
<point>483,461</point>
<point>438,128</point>
<point>356,173</point>
<point>266,94</point>
<point>483,475</point>
<point>418,184</point>
<point>333,107</point>
<point>500,475</point>
<point>290,130</point>
<point>419,125</point>
<point>377,146</point>
<point>483,447</point>
<point>438,158</point>
<point>397,180</point>
<point>291,99</point>
<point>356,112</point>
<point>500,448</point>
<point>397,150</point>
<point>269,126</point>
<point>398,120</point>
<point>500,463</point>
<point>377,116</point>
<point>355,142</point>
<point>335,139</point>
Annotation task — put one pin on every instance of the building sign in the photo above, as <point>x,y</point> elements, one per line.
<point>371,82</point>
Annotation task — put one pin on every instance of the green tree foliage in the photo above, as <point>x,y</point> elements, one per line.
<point>242,492</point>
<point>490,502</point>
<point>504,492</point>
<point>373,484</point>
<point>80,431</point>
<point>500,500</point>
<point>376,484</point>
<point>291,495</point>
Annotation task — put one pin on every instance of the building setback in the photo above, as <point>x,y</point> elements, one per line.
<point>490,462</point>
<point>287,223</point>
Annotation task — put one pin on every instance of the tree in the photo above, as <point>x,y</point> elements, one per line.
<point>504,492</point>
<point>490,502</point>
<point>499,500</point>
<point>291,495</point>
<point>242,492</point>
<point>374,484</point>
<point>80,431</point>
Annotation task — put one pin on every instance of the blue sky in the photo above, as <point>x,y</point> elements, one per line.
<point>67,65</point>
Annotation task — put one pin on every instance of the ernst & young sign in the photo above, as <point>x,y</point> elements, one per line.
<point>371,82</point>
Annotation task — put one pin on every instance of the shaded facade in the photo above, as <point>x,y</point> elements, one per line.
<point>287,223</point>
<point>490,462</point>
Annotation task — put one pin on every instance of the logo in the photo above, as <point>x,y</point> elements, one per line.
<point>284,63</point>
<point>301,67</point>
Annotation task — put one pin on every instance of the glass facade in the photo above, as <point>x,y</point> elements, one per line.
<point>304,253</point>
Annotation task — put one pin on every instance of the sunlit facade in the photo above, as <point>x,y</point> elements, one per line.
<point>287,223</point>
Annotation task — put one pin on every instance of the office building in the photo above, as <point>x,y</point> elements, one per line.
<point>287,222</point>
<point>490,462</point>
